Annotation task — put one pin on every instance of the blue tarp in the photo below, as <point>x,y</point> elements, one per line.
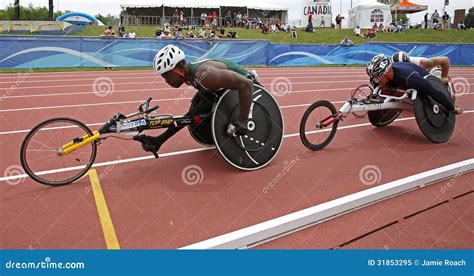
<point>41,52</point>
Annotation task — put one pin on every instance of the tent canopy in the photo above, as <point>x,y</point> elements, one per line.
<point>406,7</point>
<point>368,13</point>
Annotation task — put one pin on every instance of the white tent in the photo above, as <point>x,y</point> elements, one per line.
<point>369,12</point>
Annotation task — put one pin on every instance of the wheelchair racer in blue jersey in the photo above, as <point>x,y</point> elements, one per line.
<point>383,71</point>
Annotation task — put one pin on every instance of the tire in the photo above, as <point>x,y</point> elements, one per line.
<point>24,161</point>
<point>381,118</point>
<point>368,88</point>
<point>303,130</point>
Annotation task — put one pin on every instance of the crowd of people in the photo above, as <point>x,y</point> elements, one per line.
<point>209,26</point>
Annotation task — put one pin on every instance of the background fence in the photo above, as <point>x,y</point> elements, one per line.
<point>43,52</point>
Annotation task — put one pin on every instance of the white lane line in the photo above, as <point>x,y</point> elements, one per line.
<point>154,77</point>
<point>164,100</point>
<point>277,227</point>
<point>135,91</point>
<point>161,82</point>
<point>5,178</point>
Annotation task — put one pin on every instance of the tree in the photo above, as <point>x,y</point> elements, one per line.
<point>469,21</point>
<point>29,12</point>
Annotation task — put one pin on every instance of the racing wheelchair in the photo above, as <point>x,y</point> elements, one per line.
<point>72,154</point>
<point>383,105</point>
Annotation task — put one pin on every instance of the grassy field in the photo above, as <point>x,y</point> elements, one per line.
<point>323,36</point>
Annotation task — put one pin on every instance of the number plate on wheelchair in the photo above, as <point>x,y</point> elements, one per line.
<point>133,124</point>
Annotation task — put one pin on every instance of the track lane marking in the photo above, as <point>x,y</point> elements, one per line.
<point>103,211</point>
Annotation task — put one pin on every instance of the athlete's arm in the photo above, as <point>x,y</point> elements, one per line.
<point>222,78</point>
<point>443,62</point>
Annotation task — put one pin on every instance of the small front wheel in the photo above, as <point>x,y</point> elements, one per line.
<point>319,125</point>
<point>41,156</point>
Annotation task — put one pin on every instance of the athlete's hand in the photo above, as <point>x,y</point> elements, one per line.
<point>238,128</point>
<point>445,80</point>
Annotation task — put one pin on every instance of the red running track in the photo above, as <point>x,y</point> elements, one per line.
<point>149,203</point>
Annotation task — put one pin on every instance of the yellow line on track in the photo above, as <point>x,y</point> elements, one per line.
<point>104,215</point>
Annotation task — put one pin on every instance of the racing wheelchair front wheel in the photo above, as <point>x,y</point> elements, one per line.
<point>318,125</point>
<point>41,152</point>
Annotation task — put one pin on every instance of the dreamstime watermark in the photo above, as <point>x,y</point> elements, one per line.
<point>21,78</point>
<point>190,89</point>
<point>192,175</point>
<point>461,86</point>
<point>281,86</point>
<point>370,175</point>
<point>13,174</point>
<point>455,178</point>
<point>287,166</point>
<point>47,263</point>
<point>108,170</point>
<point>103,86</point>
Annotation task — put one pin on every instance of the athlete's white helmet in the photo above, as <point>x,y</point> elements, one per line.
<point>378,66</point>
<point>167,58</point>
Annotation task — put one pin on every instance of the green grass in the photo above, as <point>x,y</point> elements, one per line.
<point>323,36</point>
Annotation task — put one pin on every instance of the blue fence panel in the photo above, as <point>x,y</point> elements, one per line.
<point>35,52</point>
<point>241,52</point>
<point>40,52</point>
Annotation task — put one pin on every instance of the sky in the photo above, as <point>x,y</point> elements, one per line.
<point>113,6</point>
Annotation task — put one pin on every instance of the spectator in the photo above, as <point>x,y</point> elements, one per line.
<point>122,31</point>
<point>371,34</point>
<point>166,28</point>
<point>357,31</point>
<point>310,18</point>
<point>310,27</point>
<point>346,42</point>
<point>245,19</point>
<point>382,28</point>
<point>426,20</point>
<point>176,15</point>
<point>293,33</point>
<point>435,18</point>
<point>286,27</point>
<point>323,24</point>
<point>177,33</point>
<point>445,21</point>
<point>203,19</point>
<point>158,33</point>
<point>202,33</point>
<point>190,35</point>
<point>214,19</point>
<point>265,29</point>
<point>221,33</point>
<point>399,29</point>
<point>132,34</point>
<point>228,19</point>
<point>274,28</point>
<point>212,34</point>
<point>375,27</point>
<point>166,34</point>
<point>232,34</point>
<point>461,26</point>
<point>182,20</point>
<point>338,21</point>
<point>238,19</point>
<point>109,32</point>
